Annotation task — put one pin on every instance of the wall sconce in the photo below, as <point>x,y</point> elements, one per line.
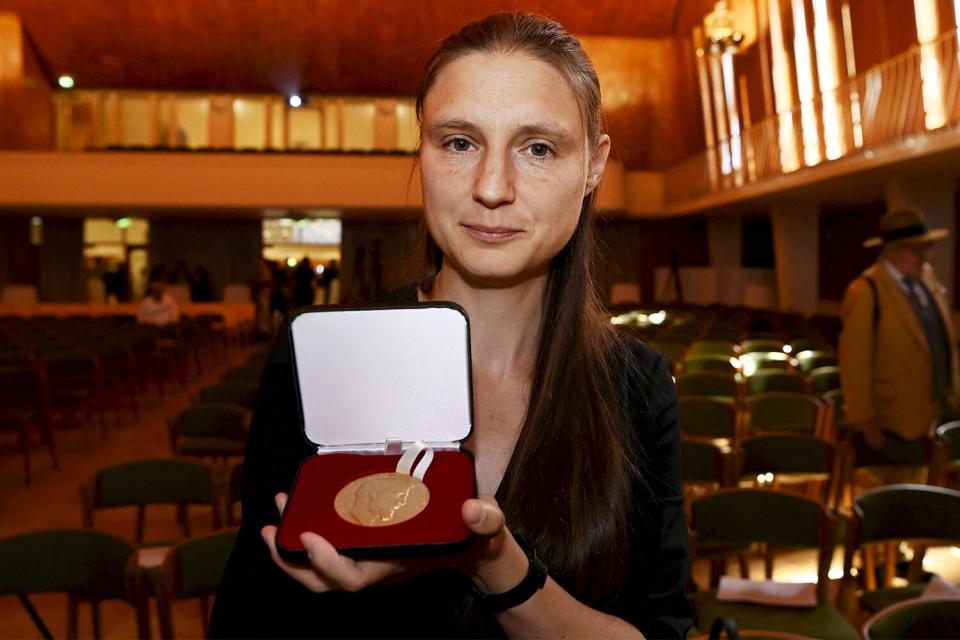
<point>719,29</point>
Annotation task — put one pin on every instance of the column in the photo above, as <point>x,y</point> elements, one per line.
<point>936,199</point>
<point>783,86</point>
<point>796,246</point>
<point>221,122</point>
<point>385,124</point>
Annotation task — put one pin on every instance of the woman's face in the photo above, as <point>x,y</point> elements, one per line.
<point>505,165</point>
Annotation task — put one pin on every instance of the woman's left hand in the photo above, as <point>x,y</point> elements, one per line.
<point>331,571</point>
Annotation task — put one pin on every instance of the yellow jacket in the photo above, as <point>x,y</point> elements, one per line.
<point>887,373</point>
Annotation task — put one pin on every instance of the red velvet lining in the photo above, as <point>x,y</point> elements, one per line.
<point>450,480</point>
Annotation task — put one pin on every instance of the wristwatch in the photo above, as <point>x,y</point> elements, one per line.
<point>534,580</point>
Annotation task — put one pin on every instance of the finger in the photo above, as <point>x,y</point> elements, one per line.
<point>339,569</point>
<point>304,575</point>
<point>483,518</point>
<point>343,572</point>
<point>281,501</point>
<point>488,499</point>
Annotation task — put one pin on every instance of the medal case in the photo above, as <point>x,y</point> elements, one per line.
<point>371,383</point>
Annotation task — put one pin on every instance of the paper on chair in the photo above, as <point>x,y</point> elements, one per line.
<point>151,557</point>
<point>939,589</point>
<point>779,594</point>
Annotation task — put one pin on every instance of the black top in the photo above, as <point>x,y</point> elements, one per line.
<point>256,599</point>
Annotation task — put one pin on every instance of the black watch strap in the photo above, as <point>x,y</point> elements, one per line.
<point>534,580</point>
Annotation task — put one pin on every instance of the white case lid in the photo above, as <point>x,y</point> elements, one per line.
<point>366,376</point>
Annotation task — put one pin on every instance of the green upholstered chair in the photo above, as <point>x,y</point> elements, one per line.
<point>714,347</point>
<point>778,411</point>
<point>824,379</point>
<point>118,374</point>
<point>835,425</point>
<point>23,409</point>
<point>916,619</point>
<point>88,566</point>
<point>234,494</point>
<point>708,363</point>
<point>789,458</point>
<point>708,417</point>
<point>755,361</point>
<point>74,385</point>
<point>258,358</point>
<point>245,373</point>
<point>946,469</point>
<point>799,345</point>
<point>192,569</point>
<point>896,452</point>
<point>215,430</point>
<point>707,384</point>
<point>704,462</point>
<point>150,482</point>
<point>883,518</point>
<point>673,350</point>
<point>752,345</point>
<point>236,392</point>
<point>810,360</point>
<point>767,380</point>
<point>736,517</point>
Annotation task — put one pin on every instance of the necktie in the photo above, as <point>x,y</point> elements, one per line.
<point>932,326</point>
<point>912,285</point>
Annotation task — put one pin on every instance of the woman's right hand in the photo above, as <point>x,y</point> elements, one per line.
<point>328,570</point>
<point>494,558</point>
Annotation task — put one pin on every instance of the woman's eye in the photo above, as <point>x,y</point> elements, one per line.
<point>460,145</point>
<point>539,150</point>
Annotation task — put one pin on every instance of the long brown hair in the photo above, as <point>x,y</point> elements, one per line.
<point>568,484</point>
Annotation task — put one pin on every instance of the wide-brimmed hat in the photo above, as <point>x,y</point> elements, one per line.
<point>904,225</point>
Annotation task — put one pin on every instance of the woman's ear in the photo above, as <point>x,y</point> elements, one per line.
<point>597,163</point>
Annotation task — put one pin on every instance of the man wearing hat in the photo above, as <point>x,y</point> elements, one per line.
<point>898,356</point>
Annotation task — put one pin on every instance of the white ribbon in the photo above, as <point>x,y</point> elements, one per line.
<point>407,460</point>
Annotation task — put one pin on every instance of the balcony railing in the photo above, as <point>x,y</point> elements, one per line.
<point>108,119</point>
<point>914,93</point>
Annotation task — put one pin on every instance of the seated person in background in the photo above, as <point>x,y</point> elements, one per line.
<point>158,307</point>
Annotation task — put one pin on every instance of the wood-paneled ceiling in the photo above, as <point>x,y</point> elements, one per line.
<point>372,47</point>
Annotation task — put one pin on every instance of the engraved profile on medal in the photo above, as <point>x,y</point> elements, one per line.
<point>384,499</point>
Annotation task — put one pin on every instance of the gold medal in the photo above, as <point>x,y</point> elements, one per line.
<point>382,499</point>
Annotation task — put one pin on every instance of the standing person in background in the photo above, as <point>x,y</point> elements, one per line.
<point>279,294</point>
<point>201,289</point>
<point>898,355</point>
<point>158,307</point>
<point>303,283</point>
<point>260,292</point>
<point>331,279</point>
<point>358,289</point>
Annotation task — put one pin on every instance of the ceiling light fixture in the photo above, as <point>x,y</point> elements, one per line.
<point>66,82</point>
<point>295,101</point>
<point>719,28</point>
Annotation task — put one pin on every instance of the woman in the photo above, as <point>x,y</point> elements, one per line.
<point>575,426</point>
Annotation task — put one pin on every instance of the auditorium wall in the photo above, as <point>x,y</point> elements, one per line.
<point>19,258</point>
<point>632,249</point>
<point>230,249</point>
<point>27,113</point>
<point>62,273</point>
<point>378,256</point>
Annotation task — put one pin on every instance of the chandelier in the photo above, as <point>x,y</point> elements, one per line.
<point>719,29</point>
